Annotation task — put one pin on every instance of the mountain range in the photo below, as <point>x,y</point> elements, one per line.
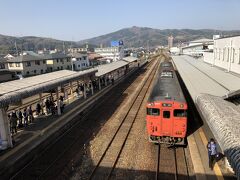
<point>31,43</point>
<point>132,37</point>
<point>144,36</point>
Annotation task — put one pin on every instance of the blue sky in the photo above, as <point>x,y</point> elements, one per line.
<point>81,19</point>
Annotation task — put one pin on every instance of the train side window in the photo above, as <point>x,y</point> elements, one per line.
<point>180,113</point>
<point>153,111</point>
<point>166,114</point>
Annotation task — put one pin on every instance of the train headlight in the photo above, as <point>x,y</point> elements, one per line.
<point>181,105</point>
<point>151,104</point>
<point>179,133</point>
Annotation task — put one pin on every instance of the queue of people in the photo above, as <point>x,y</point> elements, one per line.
<point>19,119</point>
<point>22,118</point>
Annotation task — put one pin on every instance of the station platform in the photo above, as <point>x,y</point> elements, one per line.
<point>208,86</point>
<point>43,129</point>
<point>201,77</point>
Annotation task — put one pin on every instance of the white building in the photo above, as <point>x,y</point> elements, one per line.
<point>58,61</point>
<point>30,63</point>
<point>226,54</point>
<point>111,53</point>
<point>80,61</point>
<point>78,50</point>
<point>27,64</point>
<point>175,50</point>
<point>197,47</point>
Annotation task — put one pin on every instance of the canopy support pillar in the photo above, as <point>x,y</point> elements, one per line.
<point>58,102</point>
<point>5,134</point>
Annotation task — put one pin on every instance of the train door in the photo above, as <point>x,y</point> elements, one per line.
<point>153,115</point>
<point>167,122</point>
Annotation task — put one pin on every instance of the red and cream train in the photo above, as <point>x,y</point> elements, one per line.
<point>167,108</point>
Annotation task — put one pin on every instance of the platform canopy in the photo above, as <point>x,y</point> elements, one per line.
<point>107,68</point>
<point>15,91</point>
<point>130,59</point>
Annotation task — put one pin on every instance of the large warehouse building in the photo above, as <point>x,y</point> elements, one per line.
<point>226,54</point>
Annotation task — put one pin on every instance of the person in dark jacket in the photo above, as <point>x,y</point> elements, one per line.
<point>13,122</point>
<point>38,109</point>
<point>47,105</point>
<point>20,117</point>
<point>30,114</point>
<point>25,117</point>
<point>212,152</point>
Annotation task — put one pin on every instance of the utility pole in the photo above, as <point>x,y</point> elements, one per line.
<point>64,48</point>
<point>16,48</point>
<point>71,56</point>
<point>148,45</point>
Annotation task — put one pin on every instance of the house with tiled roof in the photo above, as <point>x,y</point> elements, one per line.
<point>30,63</point>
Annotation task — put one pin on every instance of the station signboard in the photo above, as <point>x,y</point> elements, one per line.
<point>116,43</point>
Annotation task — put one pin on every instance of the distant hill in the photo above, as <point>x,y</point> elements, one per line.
<point>132,37</point>
<point>30,43</point>
<point>141,36</point>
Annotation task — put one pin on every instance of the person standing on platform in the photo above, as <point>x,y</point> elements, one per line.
<point>13,122</point>
<point>20,117</point>
<point>81,88</point>
<point>47,105</point>
<point>30,114</point>
<point>112,79</point>
<point>38,109</point>
<point>61,105</point>
<point>25,117</point>
<point>52,106</point>
<point>212,152</point>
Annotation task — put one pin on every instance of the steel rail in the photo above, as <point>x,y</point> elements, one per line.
<point>49,166</point>
<point>118,129</point>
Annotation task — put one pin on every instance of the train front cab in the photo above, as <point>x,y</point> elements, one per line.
<point>167,122</point>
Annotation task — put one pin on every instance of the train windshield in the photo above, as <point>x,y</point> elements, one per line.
<point>153,111</point>
<point>180,113</point>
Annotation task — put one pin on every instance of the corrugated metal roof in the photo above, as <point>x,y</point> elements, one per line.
<point>201,40</point>
<point>104,69</point>
<point>14,91</point>
<point>37,57</point>
<point>130,59</point>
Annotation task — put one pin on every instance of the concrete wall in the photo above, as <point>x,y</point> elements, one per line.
<point>34,69</point>
<point>5,77</point>
<point>192,50</point>
<point>59,64</point>
<point>28,70</point>
<point>80,62</point>
<point>208,57</point>
<point>227,53</point>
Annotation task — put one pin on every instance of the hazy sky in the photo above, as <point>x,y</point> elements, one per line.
<point>81,19</point>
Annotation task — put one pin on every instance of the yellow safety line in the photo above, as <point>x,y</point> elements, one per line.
<point>216,168</point>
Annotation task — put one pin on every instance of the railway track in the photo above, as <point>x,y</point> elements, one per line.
<point>171,163</point>
<point>49,163</point>
<point>114,148</point>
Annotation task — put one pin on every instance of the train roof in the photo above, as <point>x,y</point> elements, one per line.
<point>166,88</point>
